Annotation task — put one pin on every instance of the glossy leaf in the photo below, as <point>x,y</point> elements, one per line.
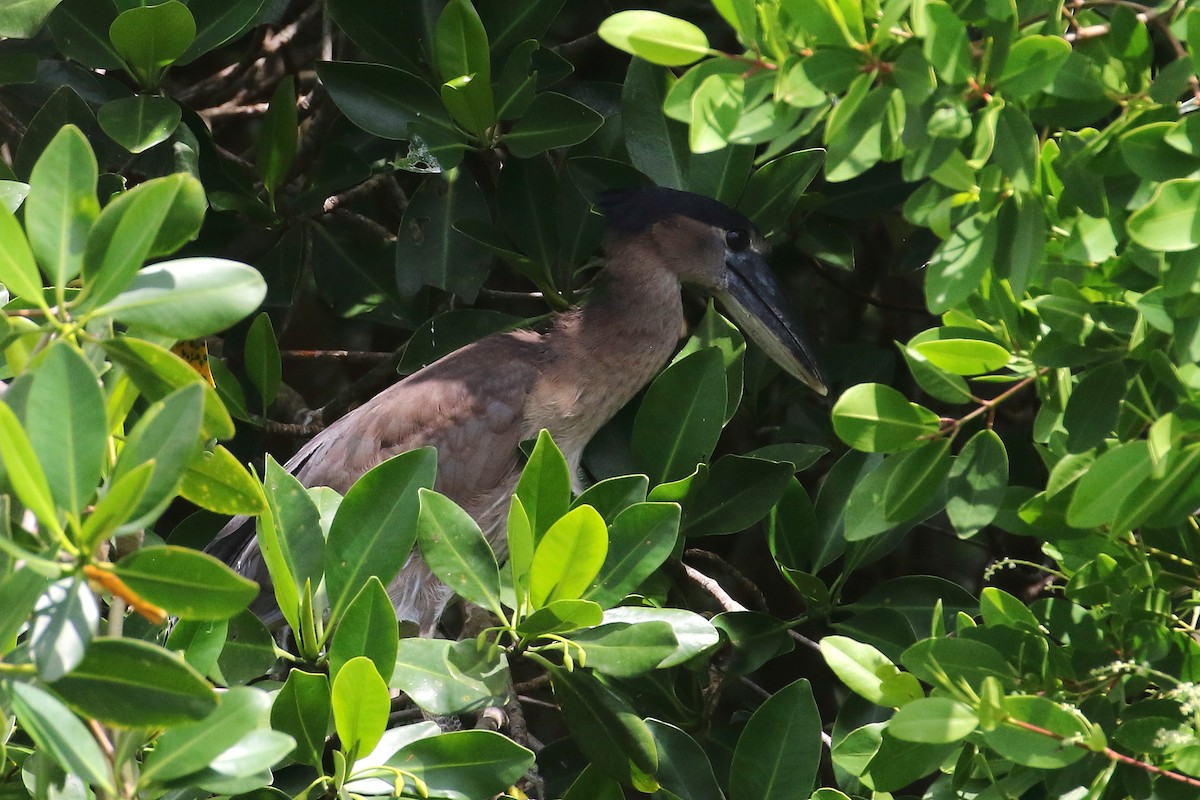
<point>561,616</point>
<point>277,138</point>
<point>360,705</point>
<point>868,672</point>
<point>62,204</point>
<point>639,541</point>
<point>23,470</point>
<point>136,684</point>
<point>551,121</point>
<point>432,251</point>
<point>367,628</point>
<point>680,418</point>
<point>374,529</point>
<point>188,584</point>
<point>66,425</point>
<point>568,557</point>
<point>933,720</point>
<point>149,38</point>
<point>218,22</point>
<point>140,122</point>
<point>128,230</point>
<point>609,733</point>
<point>444,677</point>
<point>189,297</point>
<point>739,492</point>
<point>188,749</point>
<point>877,418</point>
<point>465,763</point>
<point>302,709</point>
<point>626,650</point>
<point>916,478</point>
<point>66,618</point>
<point>545,485</point>
<point>262,360</point>
<point>977,482</point>
<point>456,551</point>
<point>779,750</point>
<point>1170,221</point>
<point>683,767</point>
<point>18,270</point>
<point>59,733</point>
<point>655,37</point>
<point>217,481</point>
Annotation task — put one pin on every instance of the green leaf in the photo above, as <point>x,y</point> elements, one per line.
<point>24,472</point>
<point>217,481</point>
<point>561,616</point>
<point>568,557</point>
<point>18,269</point>
<point>683,767</point>
<point>998,607</point>
<point>640,540</point>
<point>189,297</point>
<point>360,706</point>
<point>386,101</point>
<point>22,20</point>
<point>136,684</point>
<point>150,38</point>
<point>917,476</point>
<point>432,251</point>
<point>80,29</point>
<point>157,372</point>
<point>694,633</point>
<point>878,419</point>
<point>739,492</point>
<point>66,619</point>
<point>755,638</point>
<point>519,535</point>
<point>1091,413</point>
<point>460,43</point>
<point>779,750</point>
<point>933,720</point>
<point>59,734</point>
<point>276,149</point>
<point>946,44</point>
<point>116,505</point>
<point>138,123</point>
<point>464,763</point>
<point>263,365</point>
<point>62,204</point>
<point>613,495</point>
<point>218,22</point>
<point>456,552</point>
<point>302,709</point>
<point>128,229</point>
<point>655,37</point>
<point>626,650</point>
<point>545,485</point>
<point>1031,65</point>
<point>370,536</point>
<point>868,672</point>
<point>249,650</point>
<point>19,593</point>
<point>1030,749</point>
<point>367,628</point>
<point>774,189</point>
<point>187,583</point>
<point>680,418</point>
<point>606,729</point>
<point>657,146</point>
<point>551,121</point>
<point>963,356</point>
<point>1113,477</point>
<point>1170,221</point>
<point>945,662</point>
<point>188,749</point>
<point>199,642</point>
<point>67,426</point>
<point>957,268</point>
<point>977,483</point>
<point>444,677</point>
<point>290,538</point>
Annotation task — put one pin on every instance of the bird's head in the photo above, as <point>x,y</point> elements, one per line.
<point>711,246</point>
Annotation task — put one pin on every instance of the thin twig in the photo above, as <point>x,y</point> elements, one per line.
<point>745,584</point>
<point>349,356</point>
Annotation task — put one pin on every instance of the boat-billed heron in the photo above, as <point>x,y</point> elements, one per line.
<point>477,404</point>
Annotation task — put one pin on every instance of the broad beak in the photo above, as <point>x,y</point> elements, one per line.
<point>754,300</point>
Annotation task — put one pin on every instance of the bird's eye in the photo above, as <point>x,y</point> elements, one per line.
<point>737,240</point>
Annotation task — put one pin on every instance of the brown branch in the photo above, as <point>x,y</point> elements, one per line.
<point>745,584</point>
<point>1109,753</point>
<point>349,356</point>
<point>354,192</point>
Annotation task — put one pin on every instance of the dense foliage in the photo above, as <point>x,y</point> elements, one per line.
<point>988,211</point>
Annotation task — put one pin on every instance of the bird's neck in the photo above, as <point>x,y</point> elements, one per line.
<point>608,350</point>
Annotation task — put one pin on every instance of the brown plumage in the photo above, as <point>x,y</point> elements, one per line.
<point>478,403</point>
